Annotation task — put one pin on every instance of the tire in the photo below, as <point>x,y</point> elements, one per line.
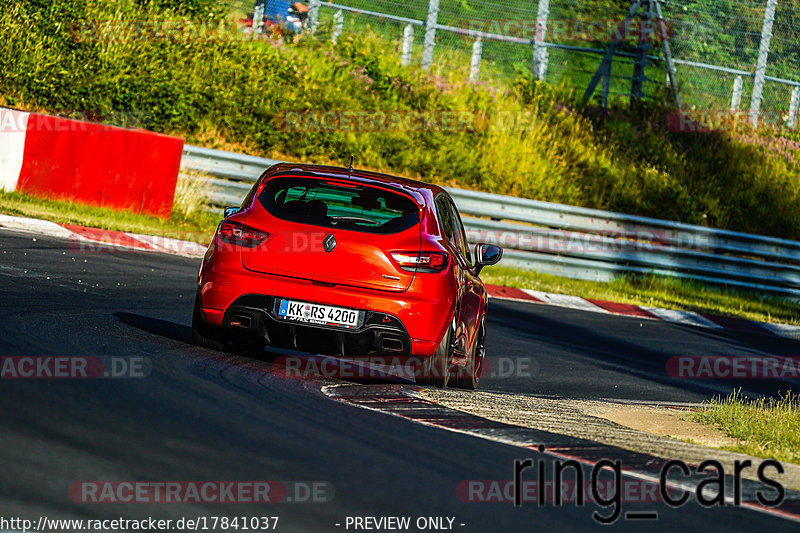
<point>435,370</point>
<point>204,334</point>
<point>468,376</point>
<point>217,338</point>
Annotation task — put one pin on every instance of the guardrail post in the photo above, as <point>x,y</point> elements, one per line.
<point>430,34</point>
<point>313,15</point>
<point>408,42</point>
<point>761,66</point>
<point>540,52</point>
<point>338,24</point>
<point>475,63</point>
<point>736,97</point>
<point>793,107</point>
<point>539,63</point>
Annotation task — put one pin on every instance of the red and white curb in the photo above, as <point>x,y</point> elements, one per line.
<point>650,313</point>
<point>95,240</point>
<point>406,402</point>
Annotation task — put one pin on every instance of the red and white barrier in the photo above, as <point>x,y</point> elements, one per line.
<point>89,163</point>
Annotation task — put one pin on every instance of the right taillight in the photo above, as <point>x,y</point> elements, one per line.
<point>421,261</point>
<point>239,234</point>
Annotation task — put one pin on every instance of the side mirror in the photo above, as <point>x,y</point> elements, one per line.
<point>486,254</point>
<point>228,211</point>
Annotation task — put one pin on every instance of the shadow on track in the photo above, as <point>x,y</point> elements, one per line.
<point>156,326</point>
<point>288,363</point>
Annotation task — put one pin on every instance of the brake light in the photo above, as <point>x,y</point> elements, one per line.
<point>343,184</point>
<point>239,234</point>
<point>421,261</point>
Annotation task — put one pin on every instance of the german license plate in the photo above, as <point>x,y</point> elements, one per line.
<point>325,315</point>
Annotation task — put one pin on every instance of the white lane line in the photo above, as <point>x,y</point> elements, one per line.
<point>683,317</point>
<point>155,243</point>
<point>34,225</point>
<point>563,300</point>
<point>783,330</point>
<point>170,245</point>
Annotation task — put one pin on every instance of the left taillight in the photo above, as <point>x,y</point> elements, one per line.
<point>421,261</point>
<point>239,234</point>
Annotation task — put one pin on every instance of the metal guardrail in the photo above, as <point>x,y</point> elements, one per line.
<point>573,241</point>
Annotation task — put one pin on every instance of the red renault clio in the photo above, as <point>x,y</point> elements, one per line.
<point>340,261</point>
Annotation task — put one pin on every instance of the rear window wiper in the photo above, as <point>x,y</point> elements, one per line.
<point>357,220</point>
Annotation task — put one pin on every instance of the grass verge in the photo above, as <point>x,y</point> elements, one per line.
<point>768,428</point>
<point>655,291</point>
<point>188,221</point>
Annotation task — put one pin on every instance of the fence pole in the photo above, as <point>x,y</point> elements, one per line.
<point>258,15</point>
<point>430,34</point>
<point>408,41</point>
<point>475,64</point>
<point>338,24</point>
<point>736,97</point>
<point>664,36</point>
<point>795,103</point>
<point>761,66</point>
<point>313,15</point>
<point>606,87</point>
<point>540,52</point>
<point>609,55</point>
<point>643,46</point>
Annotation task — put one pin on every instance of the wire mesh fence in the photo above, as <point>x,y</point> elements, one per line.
<point>717,45</point>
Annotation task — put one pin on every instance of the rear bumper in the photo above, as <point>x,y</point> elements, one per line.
<point>380,334</point>
<point>399,323</point>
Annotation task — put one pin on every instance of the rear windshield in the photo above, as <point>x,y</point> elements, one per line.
<point>335,205</point>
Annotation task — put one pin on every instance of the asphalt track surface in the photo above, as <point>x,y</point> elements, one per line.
<point>205,415</point>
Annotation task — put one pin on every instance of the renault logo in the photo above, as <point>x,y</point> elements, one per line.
<point>329,243</point>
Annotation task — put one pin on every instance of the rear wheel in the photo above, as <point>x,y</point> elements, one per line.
<point>220,339</point>
<point>435,370</point>
<point>204,334</point>
<point>467,377</point>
